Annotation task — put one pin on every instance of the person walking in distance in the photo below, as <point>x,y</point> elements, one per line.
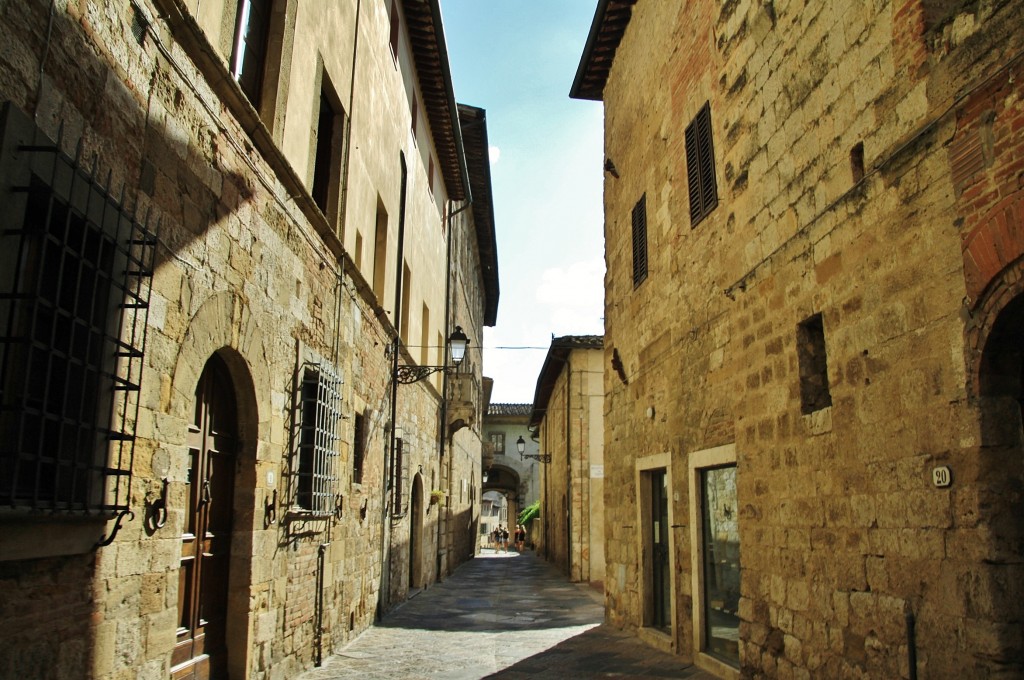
<point>520,537</point>
<point>504,539</point>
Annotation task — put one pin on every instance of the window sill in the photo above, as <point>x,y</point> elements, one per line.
<point>24,537</point>
<point>302,515</point>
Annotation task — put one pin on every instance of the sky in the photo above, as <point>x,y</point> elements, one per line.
<point>517,60</point>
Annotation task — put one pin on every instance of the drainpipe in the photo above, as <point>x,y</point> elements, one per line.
<point>911,643</point>
<point>383,600</point>
<point>318,631</point>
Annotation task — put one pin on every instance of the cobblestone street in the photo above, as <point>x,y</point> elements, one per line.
<point>503,616</point>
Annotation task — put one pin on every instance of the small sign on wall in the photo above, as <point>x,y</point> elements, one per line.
<point>597,471</point>
<point>942,476</point>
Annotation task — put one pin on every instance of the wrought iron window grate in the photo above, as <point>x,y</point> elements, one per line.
<point>320,411</point>
<point>76,267</point>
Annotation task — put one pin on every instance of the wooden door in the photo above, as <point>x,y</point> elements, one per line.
<point>200,651</point>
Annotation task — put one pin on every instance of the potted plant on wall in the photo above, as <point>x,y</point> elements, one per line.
<point>436,496</point>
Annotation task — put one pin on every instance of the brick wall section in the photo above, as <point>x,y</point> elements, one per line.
<point>990,200</point>
<point>842,531</point>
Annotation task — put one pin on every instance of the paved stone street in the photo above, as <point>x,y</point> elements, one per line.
<point>503,616</point>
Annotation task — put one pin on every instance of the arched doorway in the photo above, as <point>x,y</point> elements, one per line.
<point>1001,474</point>
<point>205,565</point>
<point>505,481</point>
<point>416,533</point>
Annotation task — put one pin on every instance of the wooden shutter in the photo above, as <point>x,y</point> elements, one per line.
<point>700,162</point>
<point>640,241</point>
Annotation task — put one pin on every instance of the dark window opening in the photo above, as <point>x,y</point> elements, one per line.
<point>358,448</point>
<point>415,115</point>
<point>640,241</point>
<point>393,39</point>
<point>700,165</point>
<point>249,53</point>
<point>811,354</point>
<point>938,13</point>
<point>498,439</point>
<point>329,152</point>
<point>324,154</point>
<point>857,162</point>
<point>380,251</point>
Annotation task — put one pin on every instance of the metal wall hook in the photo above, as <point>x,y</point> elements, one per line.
<point>156,513</point>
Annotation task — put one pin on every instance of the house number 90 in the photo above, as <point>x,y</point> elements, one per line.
<point>941,476</point>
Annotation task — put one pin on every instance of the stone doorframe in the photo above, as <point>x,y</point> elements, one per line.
<point>653,636</point>
<point>223,325</point>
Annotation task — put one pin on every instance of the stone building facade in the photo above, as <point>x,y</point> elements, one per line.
<point>567,419</point>
<point>814,228</point>
<point>227,224</point>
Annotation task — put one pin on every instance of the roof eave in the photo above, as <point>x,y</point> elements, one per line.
<point>606,30</point>
<point>560,349</point>
<point>430,54</point>
<point>474,123</point>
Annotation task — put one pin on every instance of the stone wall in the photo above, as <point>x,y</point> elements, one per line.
<point>572,502</point>
<point>249,270</point>
<point>867,161</point>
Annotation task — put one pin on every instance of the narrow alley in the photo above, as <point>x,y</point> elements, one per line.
<point>502,616</point>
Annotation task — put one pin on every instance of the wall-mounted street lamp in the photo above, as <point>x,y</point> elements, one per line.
<point>523,455</point>
<point>485,476</point>
<point>457,343</point>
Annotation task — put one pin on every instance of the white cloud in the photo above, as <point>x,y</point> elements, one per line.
<point>494,153</point>
<point>573,297</point>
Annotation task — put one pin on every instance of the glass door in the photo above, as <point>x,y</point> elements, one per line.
<point>661,586</point>
<point>720,540</point>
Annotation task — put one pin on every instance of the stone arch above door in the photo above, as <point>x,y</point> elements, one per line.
<point>1004,290</point>
<point>223,321</point>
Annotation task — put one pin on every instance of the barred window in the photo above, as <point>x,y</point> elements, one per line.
<point>400,480</point>
<point>700,166</point>
<point>319,406</point>
<point>75,273</point>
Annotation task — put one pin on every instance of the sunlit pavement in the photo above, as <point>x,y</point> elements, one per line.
<point>501,615</point>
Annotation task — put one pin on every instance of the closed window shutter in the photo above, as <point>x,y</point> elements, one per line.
<point>640,241</point>
<point>693,176</point>
<point>700,161</point>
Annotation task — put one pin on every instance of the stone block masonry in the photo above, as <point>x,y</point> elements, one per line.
<point>253,284</point>
<point>868,164</point>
